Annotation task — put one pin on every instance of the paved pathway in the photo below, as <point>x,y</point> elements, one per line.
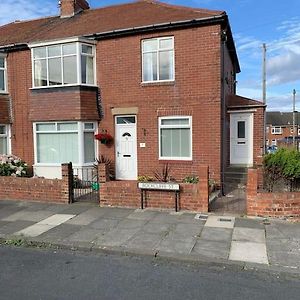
<point>152,232</point>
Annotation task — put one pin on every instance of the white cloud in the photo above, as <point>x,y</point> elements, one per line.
<point>12,10</point>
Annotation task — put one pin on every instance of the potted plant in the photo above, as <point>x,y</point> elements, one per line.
<point>104,137</point>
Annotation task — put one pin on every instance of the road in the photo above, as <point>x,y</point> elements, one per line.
<point>47,274</point>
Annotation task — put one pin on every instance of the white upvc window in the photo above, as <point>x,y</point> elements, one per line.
<point>63,65</point>
<point>3,74</point>
<point>4,139</point>
<point>276,130</point>
<point>63,142</point>
<point>158,62</point>
<point>175,138</point>
<point>274,142</point>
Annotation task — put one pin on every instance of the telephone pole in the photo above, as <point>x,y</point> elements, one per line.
<point>264,92</point>
<point>294,118</point>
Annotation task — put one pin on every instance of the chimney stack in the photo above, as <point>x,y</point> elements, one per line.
<point>69,8</point>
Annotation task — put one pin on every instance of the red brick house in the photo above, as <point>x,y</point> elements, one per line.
<point>159,78</point>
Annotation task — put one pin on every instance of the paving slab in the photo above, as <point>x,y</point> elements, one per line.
<point>220,222</point>
<point>176,246</point>
<point>189,218</point>
<point>284,258</point>
<point>56,219</point>
<point>248,235</point>
<point>165,218</point>
<point>27,215</point>
<point>106,224</point>
<point>142,214</point>
<point>213,249</point>
<point>75,209</point>
<point>249,252</point>
<point>249,223</point>
<point>131,224</point>
<point>216,234</point>
<point>116,237</point>
<point>116,213</point>
<point>12,227</point>
<point>8,211</point>
<point>85,218</point>
<point>84,235</point>
<point>156,228</point>
<point>186,230</point>
<point>34,230</point>
<point>144,241</point>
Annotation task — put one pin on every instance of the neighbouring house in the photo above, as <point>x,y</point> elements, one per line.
<point>159,78</point>
<point>279,128</point>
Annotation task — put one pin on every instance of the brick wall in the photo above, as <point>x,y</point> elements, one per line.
<point>127,194</point>
<point>4,110</point>
<point>37,189</point>
<point>285,204</point>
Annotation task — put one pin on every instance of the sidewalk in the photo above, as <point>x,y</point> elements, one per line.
<point>217,239</point>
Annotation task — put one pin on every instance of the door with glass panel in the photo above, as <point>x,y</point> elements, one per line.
<point>126,148</point>
<point>241,139</point>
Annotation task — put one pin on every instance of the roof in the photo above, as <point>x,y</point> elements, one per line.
<point>236,101</point>
<point>277,118</point>
<point>91,21</point>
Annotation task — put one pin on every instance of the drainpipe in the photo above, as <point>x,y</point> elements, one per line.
<point>223,111</point>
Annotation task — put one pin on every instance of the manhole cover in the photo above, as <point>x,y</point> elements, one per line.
<point>224,220</point>
<point>201,217</point>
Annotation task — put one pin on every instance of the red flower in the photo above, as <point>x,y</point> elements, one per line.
<point>103,137</point>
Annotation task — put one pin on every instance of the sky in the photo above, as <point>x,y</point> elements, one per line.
<point>253,22</point>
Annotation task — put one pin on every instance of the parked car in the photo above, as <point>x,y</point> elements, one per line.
<point>272,149</point>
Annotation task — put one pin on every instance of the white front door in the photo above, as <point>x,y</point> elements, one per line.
<point>241,139</point>
<point>126,148</point>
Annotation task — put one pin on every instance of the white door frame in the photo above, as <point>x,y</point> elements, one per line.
<point>133,175</point>
<point>249,131</point>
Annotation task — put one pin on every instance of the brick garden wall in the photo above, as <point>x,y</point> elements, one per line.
<point>127,194</point>
<point>37,189</point>
<point>284,204</point>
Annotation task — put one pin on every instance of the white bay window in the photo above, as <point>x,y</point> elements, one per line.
<point>63,64</point>
<point>158,59</point>
<point>4,139</point>
<point>175,138</point>
<point>62,142</point>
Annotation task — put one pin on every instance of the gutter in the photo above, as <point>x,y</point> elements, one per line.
<point>14,47</point>
<point>247,106</point>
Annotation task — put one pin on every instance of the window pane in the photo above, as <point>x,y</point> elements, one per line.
<point>87,69</point>
<point>150,67</point>
<point>89,147</point>
<point>39,52</point>
<point>54,51</point>
<point>46,127</point>
<point>166,44</point>
<point>125,120</point>
<point>175,122</point>
<point>2,62</point>
<point>150,45</point>
<point>2,83</point>
<point>166,69</point>
<point>40,73</point>
<point>69,49</point>
<point>87,49</point>
<point>57,148</point>
<point>2,129</point>
<point>241,130</point>
<point>89,126</point>
<point>70,69</point>
<point>3,145</point>
<point>175,142</point>
<point>55,71</point>
<point>66,126</point>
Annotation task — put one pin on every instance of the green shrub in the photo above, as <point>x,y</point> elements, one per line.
<point>11,165</point>
<point>191,179</point>
<point>284,164</point>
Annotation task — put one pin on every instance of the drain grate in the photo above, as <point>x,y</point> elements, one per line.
<point>201,217</point>
<point>224,220</point>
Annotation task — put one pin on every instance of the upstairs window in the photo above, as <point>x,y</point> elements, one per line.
<point>3,74</point>
<point>64,64</point>
<point>158,59</point>
<point>276,130</point>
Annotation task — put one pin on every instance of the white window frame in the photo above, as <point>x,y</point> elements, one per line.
<point>5,73</point>
<point>274,142</point>
<point>157,58</point>
<point>190,157</point>
<point>7,135</point>
<point>80,131</point>
<point>276,130</point>
<point>78,55</point>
